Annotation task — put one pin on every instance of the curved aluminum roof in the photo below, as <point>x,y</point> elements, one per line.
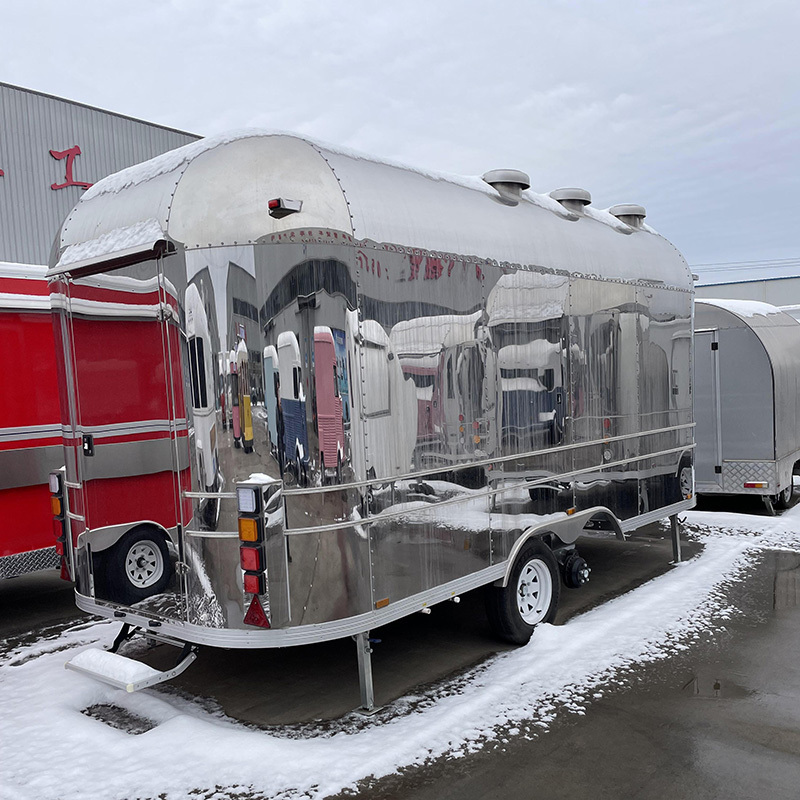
<point>779,334</point>
<point>216,191</point>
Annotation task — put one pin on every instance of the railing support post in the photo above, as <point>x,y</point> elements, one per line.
<point>675,529</point>
<point>364,651</point>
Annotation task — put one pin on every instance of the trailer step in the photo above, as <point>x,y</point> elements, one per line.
<point>126,673</point>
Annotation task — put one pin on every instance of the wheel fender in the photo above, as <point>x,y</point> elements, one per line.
<point>566,531</point>
<point>686,455</point>
<point>103,538</point>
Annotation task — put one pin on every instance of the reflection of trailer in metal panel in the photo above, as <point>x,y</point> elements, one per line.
<point>30,421</point>
<point>446,358</point>
<point>271,392</point>
<point>747,399</point>
<point>330,421</point>
<point>293,406</point>
<point>299,563</point>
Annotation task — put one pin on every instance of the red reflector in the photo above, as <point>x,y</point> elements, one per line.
<point>606,423</point>
<point>476,425</point>
<point>250,558</point>
<point>58,528</point>
<point>273,203</point>
<point>460,417</point>
<point>255,614</point>
<point>59,547</point>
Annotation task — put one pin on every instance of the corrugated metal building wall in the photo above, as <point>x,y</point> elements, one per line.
<point>38,188</point>
<point>776,282</point>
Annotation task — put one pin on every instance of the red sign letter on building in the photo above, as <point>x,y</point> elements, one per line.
<point>70,156</point>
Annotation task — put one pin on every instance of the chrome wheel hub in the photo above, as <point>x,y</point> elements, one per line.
<point>144,564</point>
<point>534,591</point>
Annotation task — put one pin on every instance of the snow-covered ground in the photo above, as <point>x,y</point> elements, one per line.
<point>50,749</point>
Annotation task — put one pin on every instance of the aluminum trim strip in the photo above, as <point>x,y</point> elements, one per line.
<point>211,495</point>
<point>487,493</point>
<point>640,521</point>
<point>213,534</point>
<point>304,634</point>
<point>485,461</point>
<point>31,432</point>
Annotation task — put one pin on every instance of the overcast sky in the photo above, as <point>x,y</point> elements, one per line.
<point>691,109</point>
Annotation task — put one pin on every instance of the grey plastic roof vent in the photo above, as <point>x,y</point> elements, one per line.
<point>508,183</point>
<point>572,199</point>
<point>629,213</point>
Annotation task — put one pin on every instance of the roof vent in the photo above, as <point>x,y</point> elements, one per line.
<point>508,183</point>
<point>628,213</point>
<point>572,199</point>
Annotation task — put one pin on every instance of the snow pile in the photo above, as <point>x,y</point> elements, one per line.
<point>50,749</point>
<point>768,533</point>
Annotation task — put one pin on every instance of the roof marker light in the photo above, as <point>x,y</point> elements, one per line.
<point>279,207</point>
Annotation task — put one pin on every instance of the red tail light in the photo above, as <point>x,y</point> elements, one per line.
<point>251,559</point>
<point>255,583</point>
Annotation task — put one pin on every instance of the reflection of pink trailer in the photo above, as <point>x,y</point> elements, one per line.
<point>330,421</point>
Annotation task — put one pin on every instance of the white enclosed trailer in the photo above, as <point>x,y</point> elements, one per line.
<point>747,403</point>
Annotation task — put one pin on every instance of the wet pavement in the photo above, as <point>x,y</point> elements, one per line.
<point>721,720</point>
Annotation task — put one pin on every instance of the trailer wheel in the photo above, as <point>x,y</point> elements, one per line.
<point>784,499</point>
<point>530,597</point>
<point>685,481</point>
<point>138,566</point>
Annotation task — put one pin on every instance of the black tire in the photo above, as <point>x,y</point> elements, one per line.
<point>784,498</point>
<point>137,567</point>
<point>685,481</point>
<point>534,562</point>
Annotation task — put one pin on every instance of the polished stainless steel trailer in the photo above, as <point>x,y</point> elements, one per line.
<point>747,399</point>
<point>514,369</point>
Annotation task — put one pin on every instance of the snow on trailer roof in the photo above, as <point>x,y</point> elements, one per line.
<point>178,196</point>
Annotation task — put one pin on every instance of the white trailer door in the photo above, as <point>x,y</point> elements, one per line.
<point>707,414</point>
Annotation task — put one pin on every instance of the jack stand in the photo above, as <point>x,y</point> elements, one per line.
<point>364,651</point>
<point>768,505</point>
<point>676,538</point>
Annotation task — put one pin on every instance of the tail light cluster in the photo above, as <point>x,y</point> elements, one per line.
<point>252,550</point>
<point>60,521</point>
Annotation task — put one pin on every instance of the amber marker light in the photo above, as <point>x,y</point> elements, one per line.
<point>248,529</point>
<point>55,505</point>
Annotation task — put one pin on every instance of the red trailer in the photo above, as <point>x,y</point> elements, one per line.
<point>30,421</point>
<point>129,437</point>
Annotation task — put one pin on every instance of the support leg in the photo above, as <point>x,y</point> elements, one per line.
<point>365,673</point>
<point>676,538</point>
